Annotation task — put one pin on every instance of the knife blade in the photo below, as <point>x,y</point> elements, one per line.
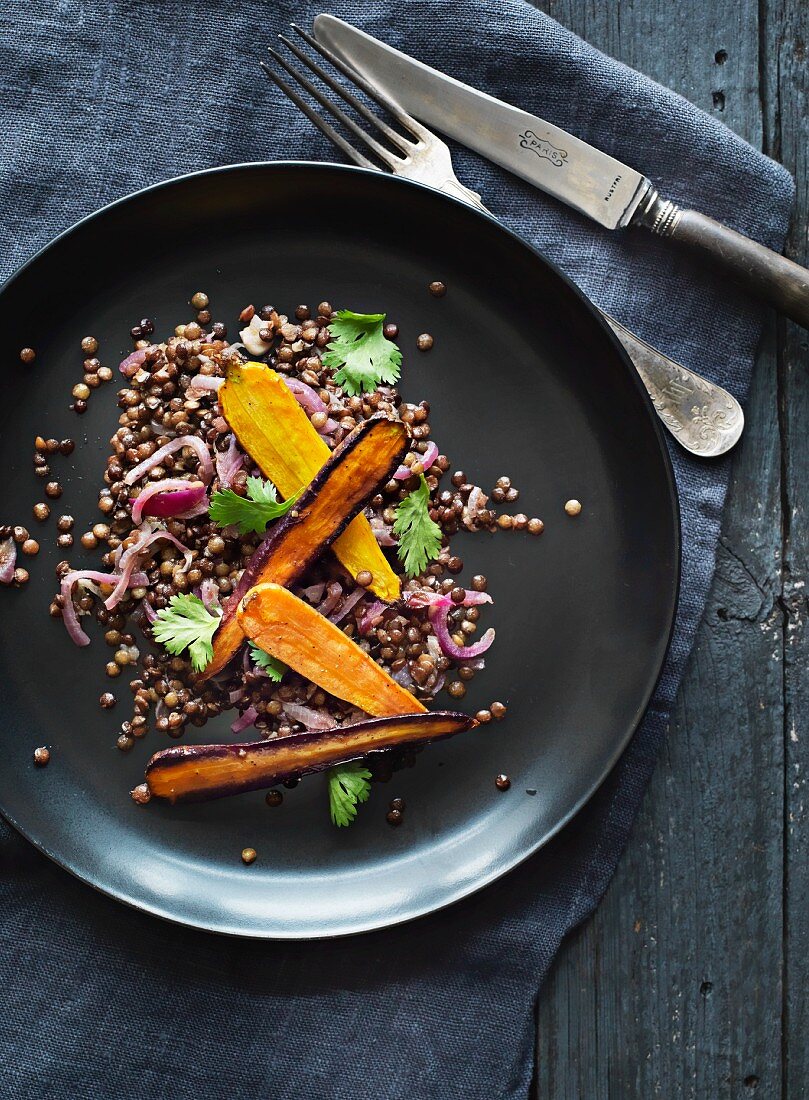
<point>562,165</point>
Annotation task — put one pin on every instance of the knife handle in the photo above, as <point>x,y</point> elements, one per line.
<point>766,274</point>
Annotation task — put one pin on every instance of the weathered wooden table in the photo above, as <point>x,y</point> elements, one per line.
<point>691,979</point>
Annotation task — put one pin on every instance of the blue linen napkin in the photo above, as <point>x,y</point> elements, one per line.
<point>98,99</point>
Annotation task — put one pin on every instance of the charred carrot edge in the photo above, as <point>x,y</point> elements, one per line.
<point>340,489</point>
<point>276,432</point>
<point>302,638</point>
<point>196,773</point>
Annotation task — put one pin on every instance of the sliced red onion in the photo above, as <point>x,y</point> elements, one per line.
<point>149,612</point>
<point>314,593</point>
<point>199,509</point>
<point>209,594</point>
<point>161,429</point>
<point>235,695</point>
<point>126,563</point>
<point>310,400</point>
<point>474,506</point>
<point>172,496</point>
<point>229,462</point>
<point>403,677</point>
<point>192,441</point>
<point>8,560</point>
<point>334,594</point>
<point>433,647</point>
<point>438,617</point>
<point>244,720</point>
<point>428,597</point>
<point>205,383</point>
<point>425,461</point>
<point>135,580</point>
<point>251,339</point>
<point>312,719</point>
<point>372,616</point>
<point>348,603</point>
<point>133,363</point>
<point>382,532</point>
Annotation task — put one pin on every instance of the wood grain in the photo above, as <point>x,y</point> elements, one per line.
<point>689,981</point>
<point>785,95</point>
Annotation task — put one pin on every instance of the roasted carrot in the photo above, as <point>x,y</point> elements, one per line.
<point>194,773</point>
<point>302,638</point>
<point>278,435</point>
<point>351,475</point>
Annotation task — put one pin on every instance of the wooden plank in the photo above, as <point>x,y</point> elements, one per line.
<point>786,103</point>
<point>673,989</point>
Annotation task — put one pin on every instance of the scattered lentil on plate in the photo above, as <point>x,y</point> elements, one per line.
<point>249,855</point>
<point>41,756</point>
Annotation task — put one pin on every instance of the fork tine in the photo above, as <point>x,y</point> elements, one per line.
<point>384,154</point>
<point>402,117</point>
<point>322,125</point>
<point>395,138</point>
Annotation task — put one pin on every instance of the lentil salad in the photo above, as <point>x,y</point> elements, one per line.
<point>172,395</point>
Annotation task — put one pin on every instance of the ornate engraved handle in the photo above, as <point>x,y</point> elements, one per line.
<point>703,417</point>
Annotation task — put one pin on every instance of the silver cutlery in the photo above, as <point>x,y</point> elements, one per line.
<point>704,418</point>
<point>598,185</point>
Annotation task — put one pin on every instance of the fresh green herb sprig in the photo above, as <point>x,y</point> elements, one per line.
<point>186,623</point>
<point>363,356</point>
<point>349,784</point>
<point>419,536</point>
<point>253,512</point>
<point>274,668</point>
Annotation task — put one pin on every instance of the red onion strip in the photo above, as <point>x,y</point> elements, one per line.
<point>438,617</point>
<point>310,400</point>
<point>209,382</point>
<point>133,363</point>
<point>425,461</point>
<point>426,597</point>
<point>312,719</point>
<point>228,463</point>
<point>335,591</point>
<point>372,616</point>
<point>128,559</point>
<point>69,615</point>
<point>170,497</point>
<point>8,560</point>
<point>314,593</point>
<point>348,603</point>
<point>192,441</point>
<point>209,594</point>
<point>244,720</point>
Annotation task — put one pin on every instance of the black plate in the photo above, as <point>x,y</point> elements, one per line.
<point>523,379</point>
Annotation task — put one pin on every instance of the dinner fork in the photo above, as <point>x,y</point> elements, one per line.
<point>703,417</point>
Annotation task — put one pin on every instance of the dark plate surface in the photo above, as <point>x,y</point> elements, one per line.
<point>523,379</point>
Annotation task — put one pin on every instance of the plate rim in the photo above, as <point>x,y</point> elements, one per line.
<point>386,920</point>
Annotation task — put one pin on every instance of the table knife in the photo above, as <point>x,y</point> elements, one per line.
<point>591,181</point>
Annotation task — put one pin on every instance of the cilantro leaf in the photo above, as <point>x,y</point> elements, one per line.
<point>274,668</point>
<point>250,513</point>
<point>349,784</point>
<point>187,624</point>
<point>364,355</point>
<point>419,536</point>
